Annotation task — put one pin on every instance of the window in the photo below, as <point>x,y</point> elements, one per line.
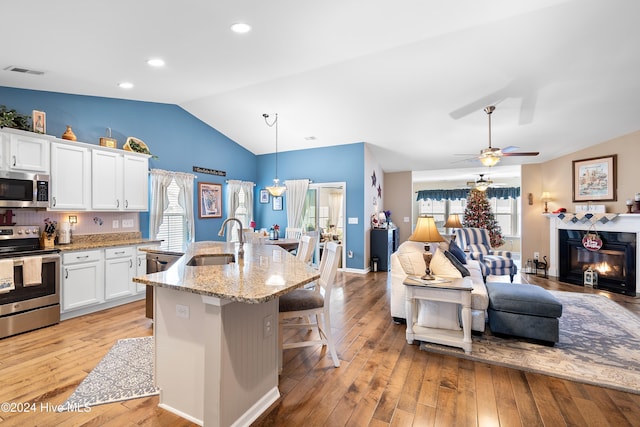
<point>440,210</point>
<point>504,210</point>
<point>172,231</point>
<point>506,213</point>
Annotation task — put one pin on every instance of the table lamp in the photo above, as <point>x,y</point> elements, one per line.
<point>546,198</point>
<point>426,232</point>
<point>453,221</point>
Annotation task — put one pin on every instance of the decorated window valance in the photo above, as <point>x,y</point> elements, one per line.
<point>462,193</point>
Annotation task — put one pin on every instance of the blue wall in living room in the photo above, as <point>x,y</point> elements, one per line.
<point>182,141</point>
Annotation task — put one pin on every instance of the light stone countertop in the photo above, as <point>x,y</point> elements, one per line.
<point>264,273</point>
<point>106,240</point>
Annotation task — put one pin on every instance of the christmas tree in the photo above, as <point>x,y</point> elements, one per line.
<point>478,214</point>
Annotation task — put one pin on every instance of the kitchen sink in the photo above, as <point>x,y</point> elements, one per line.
<point>217,259</point>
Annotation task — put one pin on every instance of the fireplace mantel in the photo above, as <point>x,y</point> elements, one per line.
<point>629,223</point>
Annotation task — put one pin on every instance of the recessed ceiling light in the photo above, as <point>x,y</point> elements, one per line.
<point>240,28</point>
<point>125,85</point>
<point>156,62</point>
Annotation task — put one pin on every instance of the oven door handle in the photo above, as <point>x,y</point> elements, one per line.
<point>17,262</point>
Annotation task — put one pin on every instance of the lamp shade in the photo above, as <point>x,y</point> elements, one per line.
<point>426,231</point>
<point>453,221</point>
<point>546,196</point>
<point>276,189</point>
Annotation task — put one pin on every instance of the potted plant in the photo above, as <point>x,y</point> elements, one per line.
<point>13,119</point>
<point>47,239</point>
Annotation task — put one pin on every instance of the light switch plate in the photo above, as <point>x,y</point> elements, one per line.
<point>353,220</point>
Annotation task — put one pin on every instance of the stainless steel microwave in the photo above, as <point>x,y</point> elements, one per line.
<point>24,190</point>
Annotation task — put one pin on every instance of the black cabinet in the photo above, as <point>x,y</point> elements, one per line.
<point>384,242</point>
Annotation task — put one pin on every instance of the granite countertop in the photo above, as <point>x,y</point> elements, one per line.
<point>265,272</point>
<point>106,240</point>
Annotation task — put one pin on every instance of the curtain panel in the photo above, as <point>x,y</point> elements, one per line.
<point>160,180</point>
<point>296,195</point>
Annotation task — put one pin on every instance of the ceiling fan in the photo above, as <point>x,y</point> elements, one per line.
<point>491,156</point>
<point>480,184</point>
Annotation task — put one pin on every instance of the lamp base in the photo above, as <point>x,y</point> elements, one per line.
<point>427,272</point>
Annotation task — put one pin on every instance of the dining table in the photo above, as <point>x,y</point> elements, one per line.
<point>286,244</point>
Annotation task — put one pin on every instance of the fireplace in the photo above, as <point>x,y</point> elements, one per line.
<point>615,262</point>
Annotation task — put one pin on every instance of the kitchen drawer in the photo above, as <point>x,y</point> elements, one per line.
<point>125,251</point>
<point>81,256</point>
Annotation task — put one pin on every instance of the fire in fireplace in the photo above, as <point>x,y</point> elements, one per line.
<point>615,262</point>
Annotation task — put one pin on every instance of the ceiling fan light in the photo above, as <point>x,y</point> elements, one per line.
<point>489,160</point>
<point>482,186</point>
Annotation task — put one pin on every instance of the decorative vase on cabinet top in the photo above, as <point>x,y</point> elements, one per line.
<point>68,134</point>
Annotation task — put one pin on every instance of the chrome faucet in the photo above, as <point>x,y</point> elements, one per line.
<point>240,234</point>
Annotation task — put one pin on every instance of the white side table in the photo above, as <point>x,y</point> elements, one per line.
<point>456,291</point>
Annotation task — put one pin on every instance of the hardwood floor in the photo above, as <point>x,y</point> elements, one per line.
<point>382,380</point>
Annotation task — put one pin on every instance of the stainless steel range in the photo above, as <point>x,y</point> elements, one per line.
<point>29,281</point>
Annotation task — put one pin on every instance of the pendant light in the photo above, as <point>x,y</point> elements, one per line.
<point>276,189</point>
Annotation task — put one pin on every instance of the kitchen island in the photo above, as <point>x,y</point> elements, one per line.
<point>216,330</point>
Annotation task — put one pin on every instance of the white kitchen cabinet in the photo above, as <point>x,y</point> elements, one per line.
<point>70,177</point>
<point>119,269</point>
<point>119,181</point>
<point>136,183</point>
<point>82,279</point>
<point>106,180</point>
<point>28,153</point>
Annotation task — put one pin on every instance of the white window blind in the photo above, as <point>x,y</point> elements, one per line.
<point>172,231</point>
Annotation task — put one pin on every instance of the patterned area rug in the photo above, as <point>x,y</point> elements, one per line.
<point>126,372</point>
<point>599,344</point>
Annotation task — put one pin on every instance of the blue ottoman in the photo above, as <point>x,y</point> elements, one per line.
<point>522,310</point>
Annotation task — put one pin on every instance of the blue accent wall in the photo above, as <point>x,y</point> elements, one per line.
<point>182,141</point>
<point>327,164</point>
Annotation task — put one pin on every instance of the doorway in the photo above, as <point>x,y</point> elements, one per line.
<point>323,216</point>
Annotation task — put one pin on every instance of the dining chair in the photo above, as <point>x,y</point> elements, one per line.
<point>292,233</point>
<point>254,237</point>
<point>297,306</point>
<point>306,247</point>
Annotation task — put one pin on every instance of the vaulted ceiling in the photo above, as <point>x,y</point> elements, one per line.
<point>410,77</point>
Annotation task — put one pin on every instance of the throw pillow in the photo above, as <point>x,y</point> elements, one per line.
<point>457,264</point>
<point>459,253</point>
<point>441,266</point>
<point>412,263</point>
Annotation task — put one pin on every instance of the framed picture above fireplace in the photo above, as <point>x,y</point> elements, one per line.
<point>595,179</point>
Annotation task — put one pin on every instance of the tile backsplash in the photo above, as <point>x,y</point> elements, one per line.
<point>88,222</point>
